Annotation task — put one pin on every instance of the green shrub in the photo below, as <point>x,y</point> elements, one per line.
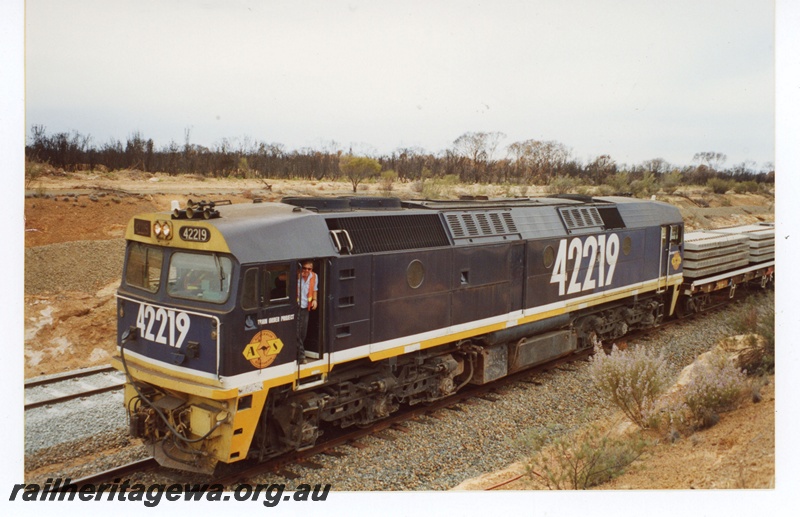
<point>671,181</point>
<point>632,380</point>
<point>431,189</point>
<point>562,185</point>
<point>583,460</point>
<point>743,187</point>
<point>619,183</point>
<point>33,171</point>
<point>757,315</point>
<point>605,190</point>
<point>357,169</point>
<point>719,185</point>
<point>242,168</point>
<point>584,190</point>
<point>645,187</point>
<point>745,319</point>
<point>387,180</point>
<point>766,189</point>
<point>450,180</point>
<point>766,328</point>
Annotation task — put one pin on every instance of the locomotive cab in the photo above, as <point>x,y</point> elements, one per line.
<point>199,321</point>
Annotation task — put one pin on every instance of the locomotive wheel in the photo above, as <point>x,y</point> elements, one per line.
<point>686,307</point>
<point>593,340</point>
<point>587,333</point>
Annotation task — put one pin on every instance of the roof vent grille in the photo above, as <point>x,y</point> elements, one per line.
<point>581,218</point>
<point>476,225</point>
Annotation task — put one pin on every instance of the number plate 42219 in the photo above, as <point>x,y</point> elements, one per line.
<point>194,234</point>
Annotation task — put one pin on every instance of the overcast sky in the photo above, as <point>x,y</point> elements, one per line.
<point>636,79</point>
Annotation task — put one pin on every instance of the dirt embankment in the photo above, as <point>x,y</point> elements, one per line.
<point>738,452</point>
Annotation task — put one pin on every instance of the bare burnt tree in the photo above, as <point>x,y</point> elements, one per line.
<point>601,168</point>
<point>657,166</point>
<point>712,160</point>
<point>135,152</point>
<point>479,148</point>
<point>408,162</point>
<point>539,161</point>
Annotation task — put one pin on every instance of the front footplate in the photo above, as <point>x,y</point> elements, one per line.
<point>168,455</point>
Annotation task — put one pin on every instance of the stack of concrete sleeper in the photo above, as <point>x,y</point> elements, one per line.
<point>761,240</point>
<point>707,253</point>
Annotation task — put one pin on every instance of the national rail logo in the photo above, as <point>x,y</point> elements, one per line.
<point>263,349</point>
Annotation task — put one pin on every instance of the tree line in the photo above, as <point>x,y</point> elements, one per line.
<point>475,157</point>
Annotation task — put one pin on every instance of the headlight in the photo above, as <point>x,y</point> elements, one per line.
<point>162,229</point>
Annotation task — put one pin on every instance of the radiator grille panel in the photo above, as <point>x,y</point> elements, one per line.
<point>392,233</point>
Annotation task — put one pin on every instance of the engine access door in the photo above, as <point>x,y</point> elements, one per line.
<point>671,254</point>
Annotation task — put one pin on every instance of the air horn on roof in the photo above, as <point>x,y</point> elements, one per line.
<point>195,210</point>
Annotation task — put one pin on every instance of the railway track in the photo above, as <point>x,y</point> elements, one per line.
<point>63,387</point>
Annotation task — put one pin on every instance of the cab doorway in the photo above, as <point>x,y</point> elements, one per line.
<point>312,344</point>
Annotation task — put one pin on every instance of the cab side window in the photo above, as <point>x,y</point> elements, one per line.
<point>675,236</point>
<point>265,285</point>
<point>250,289</point>
<point>278,282</point>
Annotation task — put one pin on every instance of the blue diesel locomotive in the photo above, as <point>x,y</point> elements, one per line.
<point>416,299</point>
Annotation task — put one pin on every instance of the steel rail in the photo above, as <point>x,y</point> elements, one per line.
<point>74,374</point>
<point>67,376</point>
<point>72,396</point>
<point>117,472</point>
